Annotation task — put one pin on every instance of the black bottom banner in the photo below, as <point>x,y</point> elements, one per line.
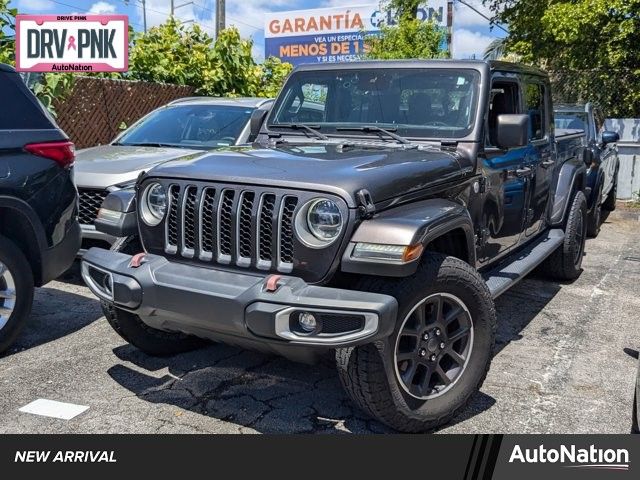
<point>465,457</point>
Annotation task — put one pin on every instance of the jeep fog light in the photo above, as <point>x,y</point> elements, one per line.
<point>307,321</point>
<point>389,253</point>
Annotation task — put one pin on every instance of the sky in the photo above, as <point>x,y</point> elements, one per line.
<point>471,32</point>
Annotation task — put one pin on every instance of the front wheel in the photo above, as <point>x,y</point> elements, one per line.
<point>438,354</point>
<point>132,329</point>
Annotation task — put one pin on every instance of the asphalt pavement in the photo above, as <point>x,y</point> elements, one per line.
<point>563,364</point>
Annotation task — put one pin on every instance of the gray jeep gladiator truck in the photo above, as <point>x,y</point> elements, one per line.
<point>381,210</point>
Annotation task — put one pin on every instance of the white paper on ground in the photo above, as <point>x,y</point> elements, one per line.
<point>51,408</point>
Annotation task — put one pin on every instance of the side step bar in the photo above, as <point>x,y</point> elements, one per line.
<point>516,266</point>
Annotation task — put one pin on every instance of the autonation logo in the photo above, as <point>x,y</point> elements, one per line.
<point>574,457</point>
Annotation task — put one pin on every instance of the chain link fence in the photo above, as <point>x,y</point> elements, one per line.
<point>617,92</point>
<point>97,109</point>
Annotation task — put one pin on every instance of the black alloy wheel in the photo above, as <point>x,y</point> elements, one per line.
<point>433,346</point>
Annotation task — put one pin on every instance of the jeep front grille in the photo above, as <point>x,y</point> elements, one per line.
<point>231,226</point>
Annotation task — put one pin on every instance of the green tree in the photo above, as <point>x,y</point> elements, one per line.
<point>187,55</point>
<point>7,32</point>
<point>590,47</point>
<point>406,8</point>
<point>408,38</point>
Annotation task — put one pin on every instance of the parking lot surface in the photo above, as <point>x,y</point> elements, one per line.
<point>561,365</point>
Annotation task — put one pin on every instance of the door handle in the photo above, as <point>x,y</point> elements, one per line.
<point>520,172</point>
<point>523,172</point>
<point>548,163</point>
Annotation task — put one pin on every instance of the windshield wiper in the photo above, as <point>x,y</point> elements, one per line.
<point>375,128</point>
<point>303,126</point>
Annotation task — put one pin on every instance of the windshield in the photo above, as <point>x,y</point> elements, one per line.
<point>434,103</point>
<point>189,126</point>
<point>571,120</point>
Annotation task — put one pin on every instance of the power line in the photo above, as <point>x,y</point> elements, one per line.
<point>168,14</point>
<point>491,20</point>
<point>79,9</point>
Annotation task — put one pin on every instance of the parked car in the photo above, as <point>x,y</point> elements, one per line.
<point>381,226</point>
<point>179,130</point>
<point>39,231</point>
<point>601,159</point>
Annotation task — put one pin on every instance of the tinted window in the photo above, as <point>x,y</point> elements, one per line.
<point>414,102</point>
<point>204,126</point>
<point>504,100</point>
<point>535,107</point>
<point>571,120</point>
<point>19,108</point>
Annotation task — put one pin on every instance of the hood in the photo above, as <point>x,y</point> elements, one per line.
<point>107,165</point>
<point>385,172</point>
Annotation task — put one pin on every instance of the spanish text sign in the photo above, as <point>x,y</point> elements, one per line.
<point>72,43</point>
<point>334,34</point>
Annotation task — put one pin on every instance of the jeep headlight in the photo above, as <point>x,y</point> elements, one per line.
<point>154,204</point>
<point>319,223</point>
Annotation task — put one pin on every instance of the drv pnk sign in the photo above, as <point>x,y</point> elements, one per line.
<point>72,43</point>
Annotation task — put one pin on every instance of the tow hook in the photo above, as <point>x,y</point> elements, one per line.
<point>137,260</point>
<point>271,283</point>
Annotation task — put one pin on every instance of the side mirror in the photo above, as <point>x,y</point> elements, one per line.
<point>609,137</point>
<point>513,130</point>
<point>256,121</point>
<point>588,156</point>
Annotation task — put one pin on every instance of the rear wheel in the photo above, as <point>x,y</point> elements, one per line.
<point>595,216</point>
<point>16,292</point>
<point>610,204</point>
<point>438,354</point>
<point>566,262</point>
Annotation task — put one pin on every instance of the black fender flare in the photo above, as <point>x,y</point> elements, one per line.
<point>571,178</point>
<point>410,224</point>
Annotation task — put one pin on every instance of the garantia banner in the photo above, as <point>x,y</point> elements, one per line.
<point>72,43</point>
<point>335,34</point>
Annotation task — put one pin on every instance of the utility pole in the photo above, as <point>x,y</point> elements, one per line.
<point>144,15</point>
<point>174,7</point>
<point>220,16</point>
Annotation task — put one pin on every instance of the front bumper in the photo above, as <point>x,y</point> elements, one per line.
<point>238,308</point>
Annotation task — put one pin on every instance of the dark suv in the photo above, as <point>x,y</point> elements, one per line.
<point>39,232</point>
<point>383,208</point>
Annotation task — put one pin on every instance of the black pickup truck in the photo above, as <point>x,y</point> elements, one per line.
<point>382,209</point>
<point>601,158</point>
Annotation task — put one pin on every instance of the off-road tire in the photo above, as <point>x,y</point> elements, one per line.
<point>610,203</point>
<point>362,369</point>
<point>566,262</point>
<point>594,220</point>
<point>129,326</point>
<point>20,270</point>
<point>150,340</point>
